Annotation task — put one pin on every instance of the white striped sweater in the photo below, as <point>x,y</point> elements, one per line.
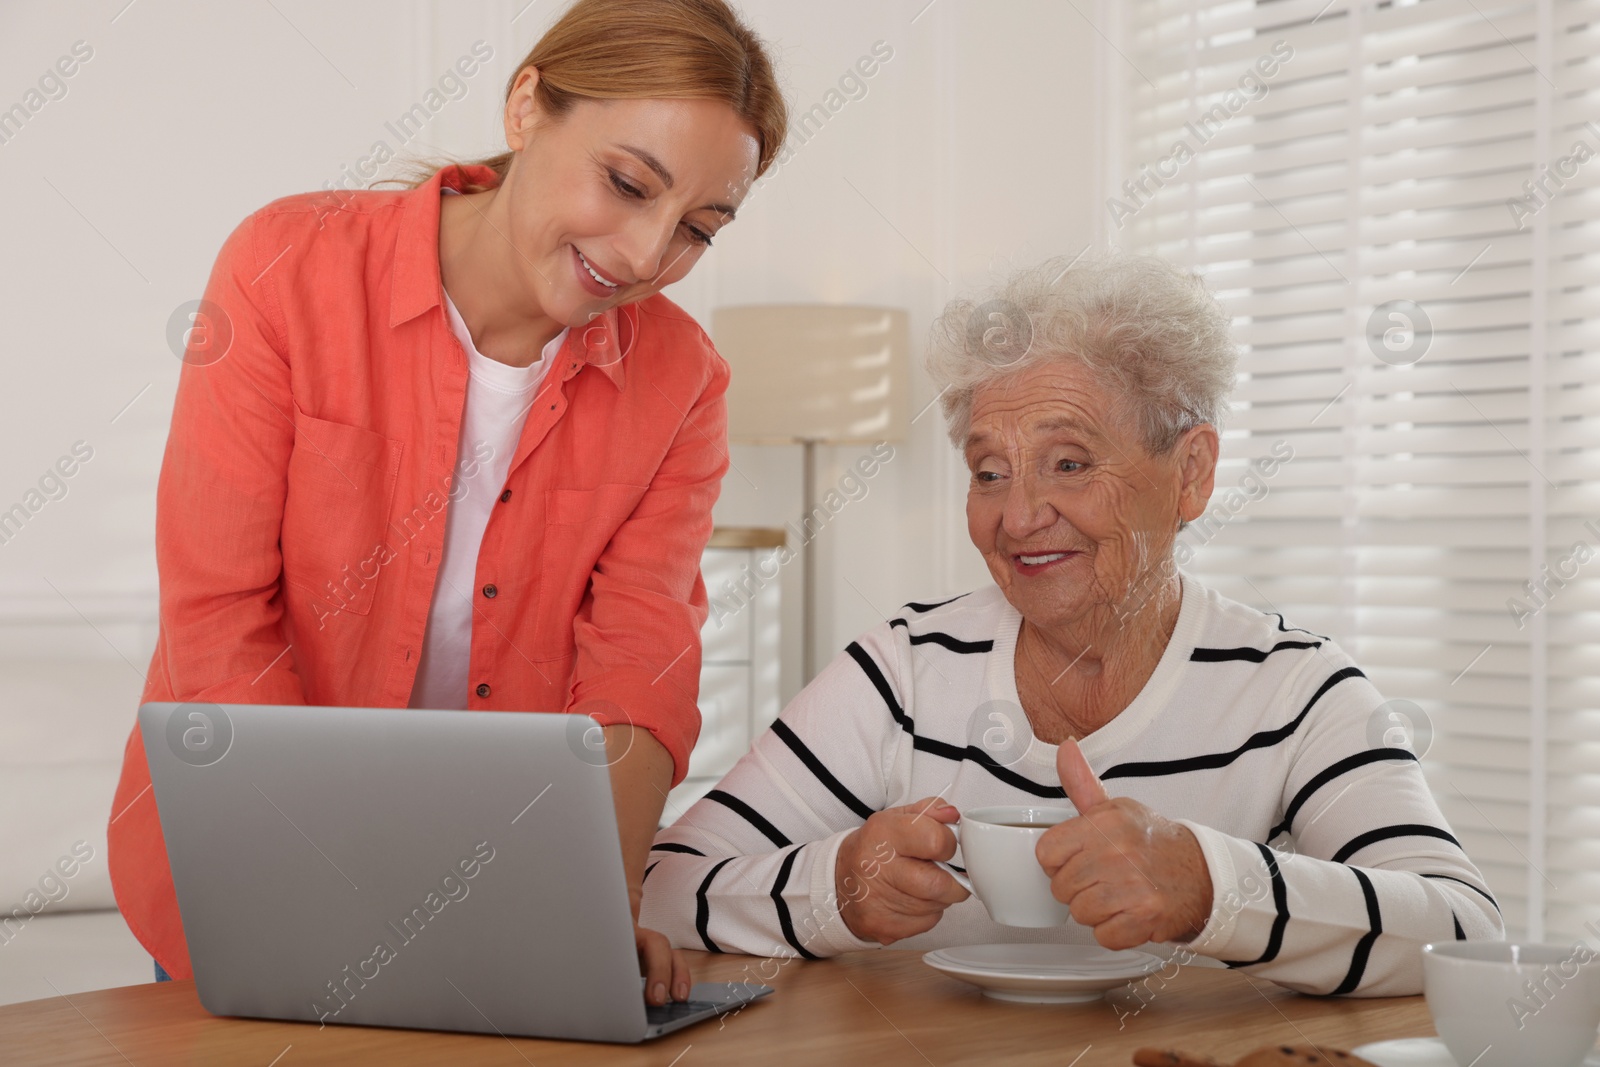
<point>1330,862</point>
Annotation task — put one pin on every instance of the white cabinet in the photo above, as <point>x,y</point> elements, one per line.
<point>739,659</point>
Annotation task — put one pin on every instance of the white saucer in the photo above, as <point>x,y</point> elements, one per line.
<point>1422,1052</point>
<point>1041,973</point>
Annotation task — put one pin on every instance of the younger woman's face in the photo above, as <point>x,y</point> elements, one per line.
<point>631,191</point>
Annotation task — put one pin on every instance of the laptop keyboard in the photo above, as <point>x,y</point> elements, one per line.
<point>675,1010</point>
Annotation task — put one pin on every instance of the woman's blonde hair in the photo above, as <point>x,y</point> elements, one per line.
<point>662,49</point>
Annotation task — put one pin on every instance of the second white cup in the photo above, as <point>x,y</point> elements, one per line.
<point>1503,1004</point>
<point>1001,869</point>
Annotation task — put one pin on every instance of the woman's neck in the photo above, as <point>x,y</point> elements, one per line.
<point>1074,678</point>
<point>475,259</point>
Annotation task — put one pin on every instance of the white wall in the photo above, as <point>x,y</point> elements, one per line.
<point>975,142</point>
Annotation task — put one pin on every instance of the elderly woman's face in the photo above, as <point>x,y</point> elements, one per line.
<point>1070,511</point>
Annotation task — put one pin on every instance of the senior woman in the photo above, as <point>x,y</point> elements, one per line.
<point>1228,796</point>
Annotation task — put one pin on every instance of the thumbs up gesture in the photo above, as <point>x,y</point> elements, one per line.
<point>1127,873</point>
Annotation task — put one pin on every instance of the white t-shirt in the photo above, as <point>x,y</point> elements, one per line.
<point>498,399</point>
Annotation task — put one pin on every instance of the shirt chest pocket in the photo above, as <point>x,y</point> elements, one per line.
<point>335,516</point>
<point>579,524</point>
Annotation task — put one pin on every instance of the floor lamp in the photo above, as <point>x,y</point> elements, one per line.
<point>814,374</point>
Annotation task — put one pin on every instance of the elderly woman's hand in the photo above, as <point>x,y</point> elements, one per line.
<point>1126,872</point>
<point>886,882</point>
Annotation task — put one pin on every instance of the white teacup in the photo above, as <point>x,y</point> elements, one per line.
<point>1002,871</point>
<point>1502,1004</point>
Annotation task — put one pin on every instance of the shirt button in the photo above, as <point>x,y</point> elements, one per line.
<point>490,591</point>
<point>505,496</point>
<point>483,689</point>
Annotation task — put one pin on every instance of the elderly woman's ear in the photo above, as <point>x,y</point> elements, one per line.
<point>1196,456</point>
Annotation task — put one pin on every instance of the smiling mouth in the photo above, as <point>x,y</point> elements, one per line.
<point>1040,559</point>
<point>596,275</point>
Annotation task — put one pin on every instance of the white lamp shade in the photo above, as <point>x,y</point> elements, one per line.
<point>814,372</point>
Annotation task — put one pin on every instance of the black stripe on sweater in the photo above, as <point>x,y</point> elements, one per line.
<point>1358,959</point>
<point>1349,763</point>
<point>869,667</point>
<point>819,770</point>
<point>1285,628</point>
<point>702,907</point>
<point>1385,833</point>
<point>921,608</point>
<point>647,871</point>
<point>1461,935</point>
<point>1481,892</point>
<point>1263,739</point>
<point>673,846</point>
<point>944,640</point>
<point>750,815</point>
<point>976,755</point>
<point>785,922</point>
<point>1280,901</point>
<point>954,644</point>
<point>1249,655</point>
<point>987,762</point>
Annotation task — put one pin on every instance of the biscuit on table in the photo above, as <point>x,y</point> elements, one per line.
<point>1151,1057</point>
<point>1302,1056</point>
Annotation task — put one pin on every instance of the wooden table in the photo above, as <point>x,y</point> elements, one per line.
<point>879,1008</point>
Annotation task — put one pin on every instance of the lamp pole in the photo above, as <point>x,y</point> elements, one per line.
<point>808,598</point>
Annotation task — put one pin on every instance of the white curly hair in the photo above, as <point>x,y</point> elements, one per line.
<point>1150,332</point>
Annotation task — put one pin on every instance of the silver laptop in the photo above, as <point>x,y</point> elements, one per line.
<point>440,870</point>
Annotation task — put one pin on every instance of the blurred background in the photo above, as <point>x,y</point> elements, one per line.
<point>1395,201</point>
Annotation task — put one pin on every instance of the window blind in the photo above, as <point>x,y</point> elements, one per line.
<point>1399,205</point>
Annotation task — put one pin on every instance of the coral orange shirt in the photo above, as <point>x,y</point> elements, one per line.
<point>300,513</point>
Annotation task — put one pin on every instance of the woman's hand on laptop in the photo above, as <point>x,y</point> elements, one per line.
<point>886,882</point>
<point>641,774</point>
<point>663,967</point>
